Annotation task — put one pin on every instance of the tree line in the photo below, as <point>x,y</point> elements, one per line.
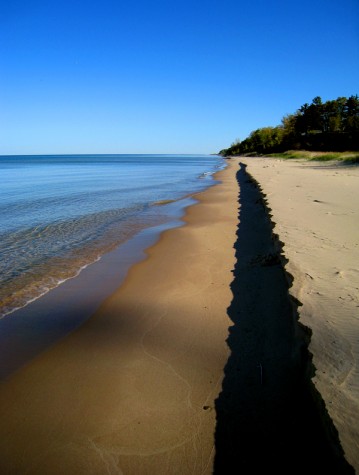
<point>320,126</point>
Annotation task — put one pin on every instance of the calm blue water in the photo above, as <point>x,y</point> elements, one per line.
<point>60,213</point>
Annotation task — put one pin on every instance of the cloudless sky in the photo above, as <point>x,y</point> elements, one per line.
<point>141,76</point>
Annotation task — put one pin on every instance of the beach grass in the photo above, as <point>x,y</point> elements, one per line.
<point>346,157</point>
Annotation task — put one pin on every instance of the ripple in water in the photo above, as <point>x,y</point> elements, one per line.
<point>60,214</point>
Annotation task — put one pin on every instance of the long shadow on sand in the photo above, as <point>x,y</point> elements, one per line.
<point>266,416</point>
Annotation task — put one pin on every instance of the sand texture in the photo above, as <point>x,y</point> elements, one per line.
<point>133,390</point>
<point>315,208</point>
<point>197,364</point>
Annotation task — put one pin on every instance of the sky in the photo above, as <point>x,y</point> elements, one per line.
<point>155,76</point>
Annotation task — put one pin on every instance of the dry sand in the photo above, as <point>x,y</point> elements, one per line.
<point>315,208</point>
<point>195,365</point>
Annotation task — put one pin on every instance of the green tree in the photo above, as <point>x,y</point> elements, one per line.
<point>332,125</point>
<point>351,115</point>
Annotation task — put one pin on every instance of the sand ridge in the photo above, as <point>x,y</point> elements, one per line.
<point>315,208</point>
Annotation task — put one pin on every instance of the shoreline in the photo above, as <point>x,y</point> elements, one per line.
<point>31,329</point>
<point>136,383</point>
<point>175,209</point>
<point>193,364</point>
<point>82,224</point>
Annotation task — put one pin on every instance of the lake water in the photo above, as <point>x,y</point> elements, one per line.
<point>58,214</point>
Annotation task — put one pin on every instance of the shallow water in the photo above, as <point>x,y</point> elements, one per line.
<point>58,214</point>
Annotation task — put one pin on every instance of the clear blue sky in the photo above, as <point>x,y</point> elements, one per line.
<point>116,76</point>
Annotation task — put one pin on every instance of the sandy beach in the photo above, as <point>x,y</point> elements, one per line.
<point>315,211</point>
<point>133,390</point>
<point>201,362</point>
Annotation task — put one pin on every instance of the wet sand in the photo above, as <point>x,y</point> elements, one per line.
<point>196,364</point>
<point>133,389</point>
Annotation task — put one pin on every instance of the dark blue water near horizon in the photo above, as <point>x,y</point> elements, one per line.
<point>59,213</point>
